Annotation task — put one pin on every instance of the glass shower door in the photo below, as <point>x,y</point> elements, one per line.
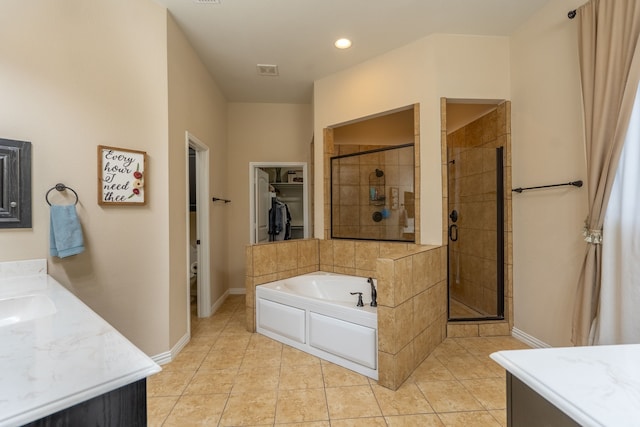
<point>475,233</point>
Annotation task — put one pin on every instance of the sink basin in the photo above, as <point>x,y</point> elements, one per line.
<point>24,308</point>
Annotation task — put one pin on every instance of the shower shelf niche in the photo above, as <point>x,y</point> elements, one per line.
<point>376,188</point>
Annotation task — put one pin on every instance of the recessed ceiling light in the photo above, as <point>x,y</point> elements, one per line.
<point>343,43</point>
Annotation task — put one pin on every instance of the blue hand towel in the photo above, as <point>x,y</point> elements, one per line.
<point>66,232</point>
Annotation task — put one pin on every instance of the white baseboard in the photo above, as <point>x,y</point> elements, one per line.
<point>182,342</point>
<point>162,358</point>
<point>216,305</point>
<point>528,339</point>
<point>168,356</point>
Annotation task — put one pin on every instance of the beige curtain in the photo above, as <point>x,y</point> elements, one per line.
<point>610,69</point>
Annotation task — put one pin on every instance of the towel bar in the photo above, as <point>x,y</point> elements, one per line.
<point>573,183</point>
<point>60,187</point>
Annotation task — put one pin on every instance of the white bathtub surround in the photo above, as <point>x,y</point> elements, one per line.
<point>316,313</point>
<point>595,386</point>
<point>53,359</point>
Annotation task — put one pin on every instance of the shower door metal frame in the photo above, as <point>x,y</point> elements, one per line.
<point>500,231</point>
<point>500,249</point>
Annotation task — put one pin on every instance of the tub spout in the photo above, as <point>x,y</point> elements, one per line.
<point>374,294</point>
<point>360,303</point>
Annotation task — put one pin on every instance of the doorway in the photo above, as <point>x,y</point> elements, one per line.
<point>278,182</point>
<point>197,239</point>
<point>476,210</point>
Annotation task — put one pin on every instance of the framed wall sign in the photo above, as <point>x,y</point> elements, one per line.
<point>121,176</point>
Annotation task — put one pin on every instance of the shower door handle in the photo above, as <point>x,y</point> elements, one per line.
<point>453,232</point>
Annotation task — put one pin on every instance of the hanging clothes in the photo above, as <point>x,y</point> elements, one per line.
<point>287,225</point>
<point>279,221</point>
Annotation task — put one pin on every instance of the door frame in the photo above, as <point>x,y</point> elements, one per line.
<point>202,227</point>
<point>252,192</point>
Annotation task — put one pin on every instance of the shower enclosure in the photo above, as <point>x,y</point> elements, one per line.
<point>372,193</point>
<point>475,172</point>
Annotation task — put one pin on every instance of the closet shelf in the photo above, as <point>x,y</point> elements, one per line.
<point>289,199</point>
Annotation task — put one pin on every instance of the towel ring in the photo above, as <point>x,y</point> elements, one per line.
<point>60,187</point>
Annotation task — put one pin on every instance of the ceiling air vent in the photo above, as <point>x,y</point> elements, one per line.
<point>267,70</point>
<point>207,1</point>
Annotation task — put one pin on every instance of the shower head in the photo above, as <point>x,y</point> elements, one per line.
<point>379,173</point>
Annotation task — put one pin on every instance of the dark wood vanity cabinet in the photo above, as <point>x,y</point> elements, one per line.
<point>526,408</point>
<point>125,406</point>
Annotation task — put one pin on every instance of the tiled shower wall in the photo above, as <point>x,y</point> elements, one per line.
<point>411,291</point>
<point>353,178</point>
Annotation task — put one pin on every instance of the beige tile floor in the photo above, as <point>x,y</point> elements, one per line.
<point>226,376</point>
<point>460,310</point>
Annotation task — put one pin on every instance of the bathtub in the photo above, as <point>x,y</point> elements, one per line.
<point>317,314</point>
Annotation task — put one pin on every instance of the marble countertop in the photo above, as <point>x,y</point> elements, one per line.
<point>60,358</point>
<point>595,386</point>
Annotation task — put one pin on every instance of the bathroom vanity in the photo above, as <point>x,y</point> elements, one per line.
<point>61,363</point>
<point>574,386</point>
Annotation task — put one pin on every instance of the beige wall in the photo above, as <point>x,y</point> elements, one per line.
<point>459,115</point>
<point>259,133</point>
<point>393,128</point>
<point>437,66</point>
<point>547,132</point>
<point>196,105</point>
<point>73,75</point>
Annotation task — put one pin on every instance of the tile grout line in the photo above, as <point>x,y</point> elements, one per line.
<point>324,389</point>
<point>384,417</point>
<point>477,358</point>
<point>226,403</point>
<point>275,410</point>
<point>422,391</point>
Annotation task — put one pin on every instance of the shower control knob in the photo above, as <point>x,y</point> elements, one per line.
<point>13,204</point>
